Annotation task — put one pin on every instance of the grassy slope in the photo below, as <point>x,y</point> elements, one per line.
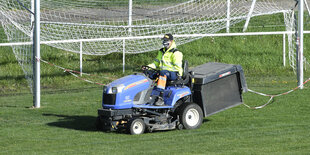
<point>65,123</point>
<point>259,56</point>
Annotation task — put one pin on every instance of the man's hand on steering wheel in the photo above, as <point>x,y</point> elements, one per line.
<point>145,68</point>
<point>150,72</point>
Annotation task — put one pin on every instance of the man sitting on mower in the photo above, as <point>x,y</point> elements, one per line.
<point>169,64</point>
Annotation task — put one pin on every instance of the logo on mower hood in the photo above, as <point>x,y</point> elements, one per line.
<point>136,83</point>
<point>183,94</point>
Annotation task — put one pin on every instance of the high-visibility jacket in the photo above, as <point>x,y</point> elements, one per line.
<point>169,59</point>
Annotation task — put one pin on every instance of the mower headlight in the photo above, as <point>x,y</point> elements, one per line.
<point>105,89</point>
<point>114,90</point>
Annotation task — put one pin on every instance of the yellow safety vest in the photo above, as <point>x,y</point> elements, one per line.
<point>170,60</point>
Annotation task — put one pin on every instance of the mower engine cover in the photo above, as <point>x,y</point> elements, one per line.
<point>123,93</point>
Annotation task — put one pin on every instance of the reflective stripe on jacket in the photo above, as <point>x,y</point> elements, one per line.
<point>170,60</point>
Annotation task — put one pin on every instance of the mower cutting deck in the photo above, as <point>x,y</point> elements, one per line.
<point>130,102</point>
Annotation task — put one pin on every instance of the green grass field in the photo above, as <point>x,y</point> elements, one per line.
<point>65,125</point>
<point>65,122</point>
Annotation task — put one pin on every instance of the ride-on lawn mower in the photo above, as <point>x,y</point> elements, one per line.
<point>130,102</point>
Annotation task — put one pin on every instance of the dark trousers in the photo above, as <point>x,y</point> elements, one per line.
<point>170,75</point>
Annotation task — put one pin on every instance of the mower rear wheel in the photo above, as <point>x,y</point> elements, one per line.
<point>191,116</point>
<point>136,126</point>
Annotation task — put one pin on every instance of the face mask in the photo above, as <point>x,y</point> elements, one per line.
<point>166,43</point>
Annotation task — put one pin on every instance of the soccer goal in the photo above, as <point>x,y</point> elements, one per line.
<point>96,27</point>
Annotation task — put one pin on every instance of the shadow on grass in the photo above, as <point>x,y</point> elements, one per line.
<point>9,77</point>
<point>8,106</point>
<point>83,123</point>
<point>6,63</point>
<point>205,120</point>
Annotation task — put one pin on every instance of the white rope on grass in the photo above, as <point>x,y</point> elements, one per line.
<point>71,72</point>
<point>86,79</point>
<point>65,70</point>
<point>259,107</point>
<point>272,96</point>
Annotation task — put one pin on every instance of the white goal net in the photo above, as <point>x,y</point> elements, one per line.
<point>120,20</point>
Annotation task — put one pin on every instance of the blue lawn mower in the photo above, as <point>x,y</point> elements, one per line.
<point>129,103</point>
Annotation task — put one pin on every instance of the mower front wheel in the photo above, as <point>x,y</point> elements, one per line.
<point>136,126</point>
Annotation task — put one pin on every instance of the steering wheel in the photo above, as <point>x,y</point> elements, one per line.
<point>150,72</point>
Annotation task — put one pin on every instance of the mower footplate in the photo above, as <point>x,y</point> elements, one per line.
<point>114,112</point>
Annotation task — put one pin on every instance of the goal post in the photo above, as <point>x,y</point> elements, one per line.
<point>36,56</point>
<point>300,46</point>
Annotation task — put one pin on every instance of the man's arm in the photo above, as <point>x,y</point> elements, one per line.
<point>177,60</point>
<point>157,60</point>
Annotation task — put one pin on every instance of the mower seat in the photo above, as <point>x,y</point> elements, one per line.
<point>185,77</point>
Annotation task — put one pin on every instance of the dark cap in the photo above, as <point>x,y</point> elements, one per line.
<point>167,37</point>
